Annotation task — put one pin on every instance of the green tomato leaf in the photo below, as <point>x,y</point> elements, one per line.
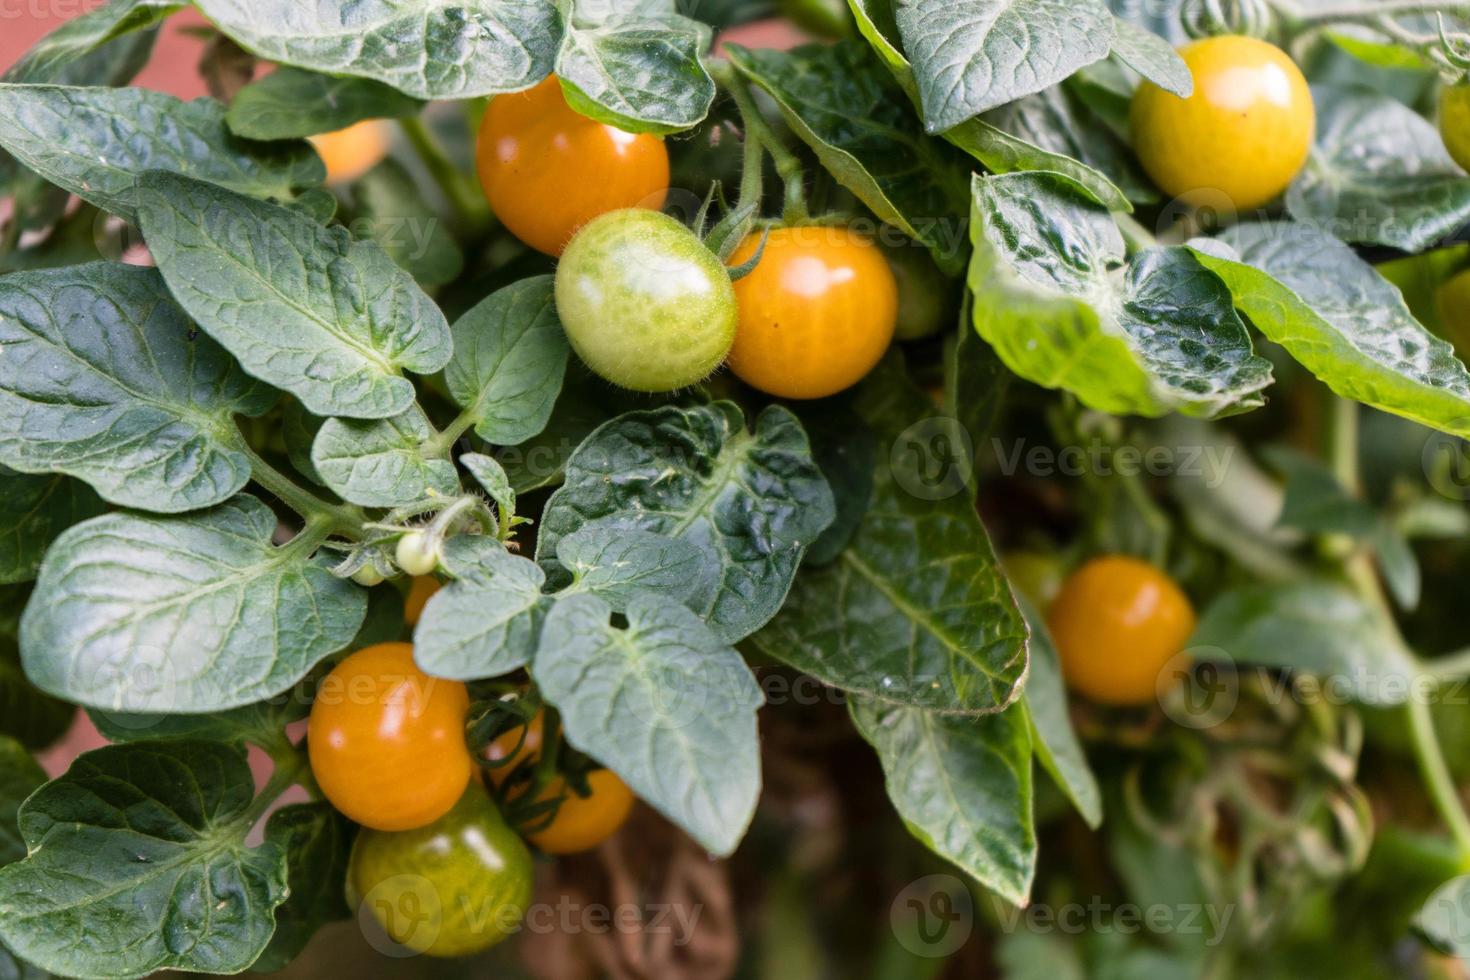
<point>1379,173</point>
<point>1052,298</point>
<point>138,863</point>
<point>34,719</point>
<point>491,476</point>
<point>1152,57</point>
<point>382,462</point>
<point>97,142</point>
<point>183,614</point>
<point>486,621</point>
<point>33,511</point>
<point>1315,627</point>
<point>331,320</point>
<point>262,724</point>
<point>1344,322</point>
<point>842,104</point>
<point>664,704</point>
<point>1054,739</point>
<point>1055,120</point>
<point>101,379</point>
<point>616,563</point>
<point>962,787</point>
<point>20,776</point>
<point>298,430</point>
<point>421,47</point>
<point>107,45</point>
<point>637,69</point>
<point>999,151</point>
<point>1316,501</point>
<point>317,841</point>
<point>976,383</point>
<point>846,450</point>
<point>510,356</point>
<point>391,211</point>
<point>915,611</point>
<point>974,55</point>
<point>1445,917</point>
<point>751,501</point>
<point>290,103</point>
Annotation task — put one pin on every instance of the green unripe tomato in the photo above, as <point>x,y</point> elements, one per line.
<point>1035,575</point>
<point>644,303</point>
<point>456,887</point>
<point>417,553</point>
<point>924,293</point>
<point>1453,299</point>
<point>820,18</point>
<point>367,575</point>
<point>1454,122</point>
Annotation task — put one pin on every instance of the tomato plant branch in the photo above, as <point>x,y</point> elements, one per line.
<point>1318,14</point>
<point>290,768</point>
<point>788,165</point>
<point>343,518</point>
<point>466,201</point>
<point>1342,445</point>
<point>440,444</point>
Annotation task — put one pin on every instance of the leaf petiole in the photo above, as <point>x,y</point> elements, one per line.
<point>759,131</point>
<point>342,518</point>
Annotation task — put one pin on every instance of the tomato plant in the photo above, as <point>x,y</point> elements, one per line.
<point>979,494</point>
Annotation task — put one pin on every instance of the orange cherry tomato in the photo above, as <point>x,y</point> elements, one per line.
<point>581,822</point>
<point>349,153</point>
<point>386,740</point>
<point>420,590</point>
<point>1117,622</point>
<point>816,313</point>
<point>547,169</point>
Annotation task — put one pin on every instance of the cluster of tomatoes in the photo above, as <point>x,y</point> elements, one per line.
<point>650,307</point>
<point>388,749</point>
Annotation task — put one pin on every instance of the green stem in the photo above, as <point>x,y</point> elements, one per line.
<point>1451,667</point>
<point>1342,445</point>
<point>467,202</point>
<point>1135,235</point>
<point>290,769</point>
<point>1368,11</point>
<point>441,444</point>
<point>1436,773</point>
<point>788,165</point>
<point>341,517</point>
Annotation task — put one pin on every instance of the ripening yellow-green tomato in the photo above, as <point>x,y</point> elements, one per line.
<point>1454,122</point>
<point>1240,138</point>
<point>1116,623</point>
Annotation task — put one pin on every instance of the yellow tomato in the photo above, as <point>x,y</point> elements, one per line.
<point>420,590</point>
<point>1454,311</point>
<point>547,169</point>
<point>1240,138</point>
<point>816,313</point>
<point>581,822</point>
<point>1117,622</point>
<point>1454,122</point>
<point>349,153</point>
<point>386,741</point>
